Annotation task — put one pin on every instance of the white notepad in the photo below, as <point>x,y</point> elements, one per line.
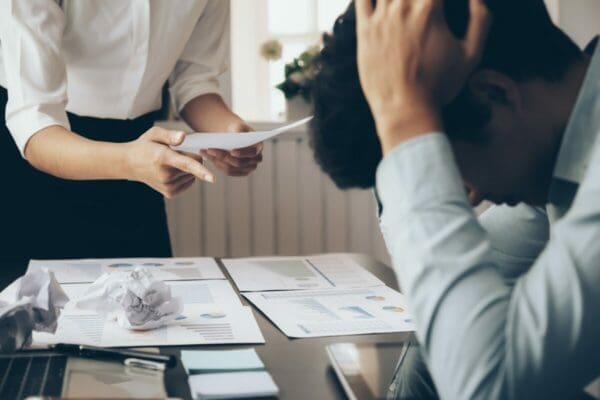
<point>236,385</point>
<point>220,361</point>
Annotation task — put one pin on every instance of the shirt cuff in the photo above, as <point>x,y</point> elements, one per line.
<point>28,121</point>
<point>418,172</point>
<point>184,92</point>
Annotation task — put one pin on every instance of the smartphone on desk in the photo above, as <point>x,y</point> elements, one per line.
<point>375,371</point>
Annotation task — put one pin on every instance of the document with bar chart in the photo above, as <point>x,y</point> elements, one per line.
<point>299,273</point>
<point>215,292</point>
<point>335,312</point>
<point>212,314</point>
<point>198,324</point>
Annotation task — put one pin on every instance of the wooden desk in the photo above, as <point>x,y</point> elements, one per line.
<point>300,367</point>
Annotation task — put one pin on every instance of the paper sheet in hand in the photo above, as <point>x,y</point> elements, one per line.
<point>335,312</point>
<point>199,324</point>
<point>166,269</point>
<point>294,273</point>
<point>194,142</point>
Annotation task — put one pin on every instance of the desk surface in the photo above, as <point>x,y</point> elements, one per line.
<point>300,367</point>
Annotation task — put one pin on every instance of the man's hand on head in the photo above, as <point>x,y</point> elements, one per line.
<point>411,65</point>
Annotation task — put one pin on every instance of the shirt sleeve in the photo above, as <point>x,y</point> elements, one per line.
<point>204,58</point>
<point>31,36</point>
<point>517,236</point>
<point>483,338</point>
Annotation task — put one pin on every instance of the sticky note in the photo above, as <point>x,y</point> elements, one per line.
<point>207,361</point>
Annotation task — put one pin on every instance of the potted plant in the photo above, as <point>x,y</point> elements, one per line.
<point>299,77</point>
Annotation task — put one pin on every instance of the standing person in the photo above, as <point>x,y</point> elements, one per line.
<point>83,168</point>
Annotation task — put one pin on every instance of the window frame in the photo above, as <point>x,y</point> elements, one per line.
<point>251,87</point>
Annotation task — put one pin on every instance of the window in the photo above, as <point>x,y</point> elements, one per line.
<point>297,24</point>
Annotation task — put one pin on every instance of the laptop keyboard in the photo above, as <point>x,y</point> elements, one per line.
<point>24,376</point>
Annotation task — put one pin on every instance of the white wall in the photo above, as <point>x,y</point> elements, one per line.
<point>246,63</point>
<point>579,18</point>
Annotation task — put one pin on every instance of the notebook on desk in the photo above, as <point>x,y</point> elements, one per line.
<point>43,374</point>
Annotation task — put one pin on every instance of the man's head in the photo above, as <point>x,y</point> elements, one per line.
<point>503,125</point>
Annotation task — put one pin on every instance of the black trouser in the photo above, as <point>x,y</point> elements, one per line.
<point>44,217</point>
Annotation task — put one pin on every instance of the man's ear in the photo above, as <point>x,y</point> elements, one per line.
<point>494,88</point>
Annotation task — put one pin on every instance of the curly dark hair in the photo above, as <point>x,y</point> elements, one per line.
<point>523,43</point>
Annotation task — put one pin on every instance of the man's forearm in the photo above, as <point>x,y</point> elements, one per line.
<point>209,113</point>
<point>396,125</point>
<point>64,154</point>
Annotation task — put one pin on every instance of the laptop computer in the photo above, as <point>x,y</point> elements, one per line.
<point>46,375</point>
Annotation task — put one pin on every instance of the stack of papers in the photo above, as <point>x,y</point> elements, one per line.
<point>212,314</point>
<point>316,296</point>
<point>227,374</point>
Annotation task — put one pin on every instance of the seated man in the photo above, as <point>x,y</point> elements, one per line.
<point>424,98</point>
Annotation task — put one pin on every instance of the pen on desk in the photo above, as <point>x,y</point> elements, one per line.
<point>144,364</point>
<point>113,354</point>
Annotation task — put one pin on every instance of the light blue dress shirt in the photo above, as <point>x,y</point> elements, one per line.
<point>508,306</point>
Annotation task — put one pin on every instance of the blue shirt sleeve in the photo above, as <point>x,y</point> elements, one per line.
<point>481,336</point>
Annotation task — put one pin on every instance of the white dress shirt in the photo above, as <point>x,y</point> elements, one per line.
<point>106,58</point>
<point>505,307</point>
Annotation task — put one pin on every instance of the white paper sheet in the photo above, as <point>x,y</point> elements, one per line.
<point>296,273</point>
<point>198,325</point>
<point>207,292</point>
<point>166,269</point>
<point>195,142</point>
<point>335,312</point>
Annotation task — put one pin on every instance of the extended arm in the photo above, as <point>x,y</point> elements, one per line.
<point>195,89</point>
<point>31,35</point>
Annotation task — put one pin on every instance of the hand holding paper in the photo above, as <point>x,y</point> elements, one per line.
<point>195,142</point>
<point>239,162</point>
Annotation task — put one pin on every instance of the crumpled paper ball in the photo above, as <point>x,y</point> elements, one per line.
<point>31,303</point>
<point>136,300</point>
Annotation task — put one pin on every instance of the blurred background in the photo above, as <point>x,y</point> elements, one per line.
<point>288,207</point>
